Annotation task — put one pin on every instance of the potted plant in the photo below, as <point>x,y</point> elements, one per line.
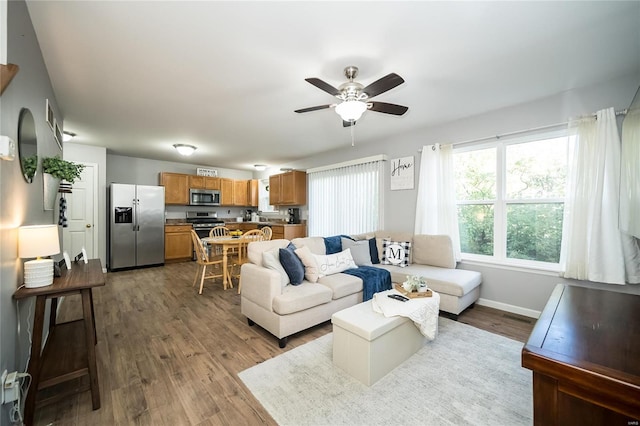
<point>29,166</point>
<point>54,170</point>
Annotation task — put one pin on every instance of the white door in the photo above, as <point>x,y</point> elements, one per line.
<point>82,214</point>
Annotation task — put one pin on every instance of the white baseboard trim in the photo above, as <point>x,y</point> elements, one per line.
<point>509,308</point>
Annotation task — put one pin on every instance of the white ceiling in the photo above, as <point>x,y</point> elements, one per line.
<point>137,77</point>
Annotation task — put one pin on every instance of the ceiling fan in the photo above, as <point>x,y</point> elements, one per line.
<point>356,98</point>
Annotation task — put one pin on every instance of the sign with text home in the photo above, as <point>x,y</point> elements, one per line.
<point>402,173</point>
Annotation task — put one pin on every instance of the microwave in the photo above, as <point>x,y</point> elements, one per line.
<point>204,197</point>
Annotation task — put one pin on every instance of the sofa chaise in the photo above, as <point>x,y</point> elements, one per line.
<point>269,300</point>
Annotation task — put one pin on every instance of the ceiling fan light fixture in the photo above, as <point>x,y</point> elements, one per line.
<point>184,149</point>
<point>351,110</point>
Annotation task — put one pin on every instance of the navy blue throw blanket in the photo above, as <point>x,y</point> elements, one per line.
<point>374,280</point>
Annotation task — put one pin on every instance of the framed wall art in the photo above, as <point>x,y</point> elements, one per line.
<point>402,174</point>
<point>57,133</point>
<point>49,116</point>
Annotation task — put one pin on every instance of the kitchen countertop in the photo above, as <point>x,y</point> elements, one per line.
<point>231,221</point>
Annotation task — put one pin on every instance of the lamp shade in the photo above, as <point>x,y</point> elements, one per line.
<point>38,241</point>
<point>351,110</point>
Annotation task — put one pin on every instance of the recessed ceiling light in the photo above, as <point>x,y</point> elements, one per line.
<point>184,149</point>
<point>260,167</point>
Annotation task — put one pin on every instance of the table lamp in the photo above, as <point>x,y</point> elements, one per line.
<point>36,241</point>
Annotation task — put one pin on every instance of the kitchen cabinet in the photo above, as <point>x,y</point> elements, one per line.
<point>253,192</point>
<point>177,243</point>
<point>176,188</point>
<point>241,193</point>
<point>288,232</point>
<point>288,189</point>
<point>204,182</point>
<point>226,191</point>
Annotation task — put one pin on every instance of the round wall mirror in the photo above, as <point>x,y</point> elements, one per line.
<point>27,144</point>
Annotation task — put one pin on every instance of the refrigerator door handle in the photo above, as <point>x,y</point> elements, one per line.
<point>135,215</point>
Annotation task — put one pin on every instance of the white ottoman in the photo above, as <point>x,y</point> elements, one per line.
<point>368,345</point>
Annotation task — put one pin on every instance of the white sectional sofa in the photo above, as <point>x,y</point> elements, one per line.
<point>284,309</point>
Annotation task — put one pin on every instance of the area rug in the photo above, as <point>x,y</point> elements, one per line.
<point>465,376</point>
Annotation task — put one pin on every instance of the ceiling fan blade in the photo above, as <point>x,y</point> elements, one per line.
<point>387,82</point>
<point>323,86</point>
<point>388,108</point>
<point>346,123</point>
<point>315,108</point>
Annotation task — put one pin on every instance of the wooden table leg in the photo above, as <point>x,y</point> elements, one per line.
<point>225,271</point>
<point>89,328</point>
<point>34,360</point>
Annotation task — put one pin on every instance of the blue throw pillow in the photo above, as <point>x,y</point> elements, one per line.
<point>333,244</point>
<point>373,251</point>
<point>292,264</point>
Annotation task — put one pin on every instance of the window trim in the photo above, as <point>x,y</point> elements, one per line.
<point>500,203</point>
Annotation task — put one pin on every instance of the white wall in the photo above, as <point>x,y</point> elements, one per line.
<point>525,292</point>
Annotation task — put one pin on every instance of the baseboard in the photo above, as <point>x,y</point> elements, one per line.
<point>509,308</point>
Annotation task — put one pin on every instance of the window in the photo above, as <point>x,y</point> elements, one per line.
<point>263,197</point>
<point>510,198</point>
<point>346,198</point>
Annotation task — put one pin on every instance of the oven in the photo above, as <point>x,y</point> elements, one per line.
<point>204,197</point>
<point>202,223</point>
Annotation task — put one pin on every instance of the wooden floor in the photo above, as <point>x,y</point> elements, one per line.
<point>168,356</point>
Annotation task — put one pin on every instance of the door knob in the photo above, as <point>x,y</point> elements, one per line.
<point>88,225</point>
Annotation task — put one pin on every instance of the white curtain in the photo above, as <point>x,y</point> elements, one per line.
<point>436,210</point>
<point>592,244</point>
<point>346,200</point>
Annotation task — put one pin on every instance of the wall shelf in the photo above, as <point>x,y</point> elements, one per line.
<point>7,72</point>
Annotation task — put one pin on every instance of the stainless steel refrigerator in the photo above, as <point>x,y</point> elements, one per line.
<point>136,226</point>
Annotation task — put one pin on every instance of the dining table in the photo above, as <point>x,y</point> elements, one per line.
<point>227,243</point>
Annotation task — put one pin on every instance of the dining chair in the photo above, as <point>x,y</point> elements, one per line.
<point>219,231</point>
<point>247,238</point>
<point>204,259</point>
<point>268,232</point>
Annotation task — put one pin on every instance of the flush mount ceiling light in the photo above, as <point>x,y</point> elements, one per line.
<point>260,167</point>
<point>184,149</point>
<point>67,136</point>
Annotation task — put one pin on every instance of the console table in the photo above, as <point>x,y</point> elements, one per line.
<point>584,352</point>
<point>70,349</point>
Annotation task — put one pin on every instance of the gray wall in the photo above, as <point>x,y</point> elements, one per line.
<point>20,203</point>
<point>520,291</point>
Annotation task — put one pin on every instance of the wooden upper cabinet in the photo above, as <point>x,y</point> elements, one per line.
<point>241,193</point>
<point>288,189</point>
<point>176,188</point>
<point>196,182</point>
<point>226,191</point>
<point>253,192</point>
<point>211,183</point>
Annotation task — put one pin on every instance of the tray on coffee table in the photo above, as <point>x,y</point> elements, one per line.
<point>412,294</point>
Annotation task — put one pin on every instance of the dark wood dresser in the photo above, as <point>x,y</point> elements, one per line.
<point>584,352</point>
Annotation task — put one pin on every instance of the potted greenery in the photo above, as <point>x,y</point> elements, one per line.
<point>29,166</point>
<point>54,170</point>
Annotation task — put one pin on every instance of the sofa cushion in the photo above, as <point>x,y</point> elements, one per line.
<point>394,236</point>
<point>311,270</point>
<point>315,244</point>
<point>301,297</point>
<point>455,282</point>
<point>359,251</point>
<point>341,284</point>
<point>255,249</point>
<point>329,264</point>
<point>396,252</point>
<point>271,260</point>
<point>292,264</point>
<point>334,244</point>
<point>434,250</point>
